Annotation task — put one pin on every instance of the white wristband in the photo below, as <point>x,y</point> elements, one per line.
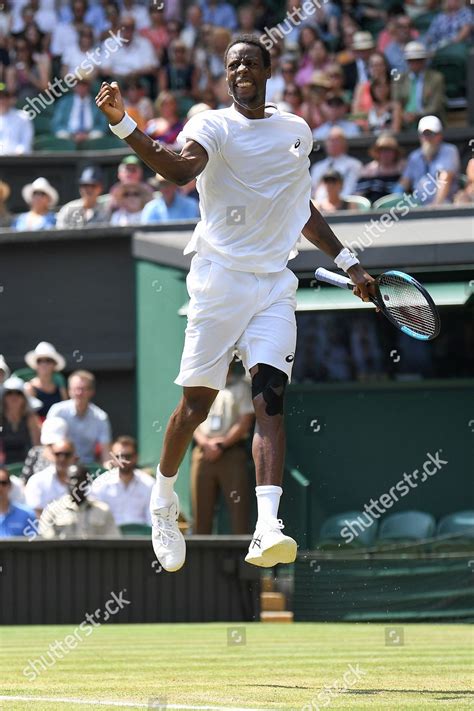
<point>125,127</point>
<point>345,259</point>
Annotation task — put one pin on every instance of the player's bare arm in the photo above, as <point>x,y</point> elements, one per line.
<point>319,233</point>
<point>178,168</point>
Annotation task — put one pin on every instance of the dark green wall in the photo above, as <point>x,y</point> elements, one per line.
<point>354,442</point>
<point>368,435</point>
<point>161,291</point>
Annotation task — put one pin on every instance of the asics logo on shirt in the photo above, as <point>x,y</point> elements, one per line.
<point>295,146</point>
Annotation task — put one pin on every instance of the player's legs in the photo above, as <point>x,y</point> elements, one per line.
<point>168,541</point>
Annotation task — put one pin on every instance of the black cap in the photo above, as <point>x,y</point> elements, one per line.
<point>91,176</point>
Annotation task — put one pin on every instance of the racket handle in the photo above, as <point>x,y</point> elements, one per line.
<point>335,279</point>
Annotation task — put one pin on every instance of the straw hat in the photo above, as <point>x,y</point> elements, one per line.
<point>319,78</point>
<point>42,185</point>
<point>415,50</point>
<point>363,40</point>
<point>45,350</point>
<point>385,140</point>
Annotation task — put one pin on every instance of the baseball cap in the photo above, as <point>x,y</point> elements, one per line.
<point>91,176</point>
<point>130,160</point>
<point>3,89</point>
<point>430,123</point>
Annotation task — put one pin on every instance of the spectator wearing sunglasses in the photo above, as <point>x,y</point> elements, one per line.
<point>131,200</point>
<point>125,488</point>
<point>75,515</point>
<point>130,172</point>
<point>14,518</point>
<point>45,361</point>
<point>53,482</point>
<point>41,197</point>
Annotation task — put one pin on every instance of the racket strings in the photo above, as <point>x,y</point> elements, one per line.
<point>407,305</point>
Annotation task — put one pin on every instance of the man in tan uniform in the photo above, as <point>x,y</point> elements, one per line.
<point>219,459</point>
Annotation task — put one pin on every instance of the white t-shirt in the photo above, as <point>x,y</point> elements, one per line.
<point>128,503</point>
<point>255,189</point>
<point>44,487</point>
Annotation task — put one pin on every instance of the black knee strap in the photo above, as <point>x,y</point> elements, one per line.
<point>271,383</point>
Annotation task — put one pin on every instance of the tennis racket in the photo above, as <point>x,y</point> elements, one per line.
<point>403,300</point>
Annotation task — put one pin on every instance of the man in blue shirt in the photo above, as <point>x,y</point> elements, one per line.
<point>219,13</point>
<point>432,171</point>
<point>14,518</point>
<point>170,205</point>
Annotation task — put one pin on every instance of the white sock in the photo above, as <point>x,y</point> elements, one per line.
<point>268,500</point>
<point>162,493</point>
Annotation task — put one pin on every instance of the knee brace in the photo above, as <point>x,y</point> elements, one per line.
<point>271,383</point>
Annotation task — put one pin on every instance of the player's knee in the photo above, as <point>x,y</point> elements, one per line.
<point>270,383</point>
<point>195,410</point>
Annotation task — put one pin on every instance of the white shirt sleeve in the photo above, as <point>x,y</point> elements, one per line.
<point>206,129</point>
<point>33,493</point>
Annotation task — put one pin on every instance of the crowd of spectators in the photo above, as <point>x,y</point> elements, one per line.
<point>61,475</point>
<point>358,68</point>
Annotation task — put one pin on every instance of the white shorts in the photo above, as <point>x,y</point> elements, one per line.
<point>231,310</point>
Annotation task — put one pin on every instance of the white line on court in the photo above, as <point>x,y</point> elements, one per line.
<point>125,704</point>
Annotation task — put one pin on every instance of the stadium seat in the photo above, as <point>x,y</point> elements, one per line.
<point>104,143</point>
<point>423,21</point>
<point>359,202</point>
<point>51,143</point>
<point>407,526</point>
<point>388,201</point>
<point>15,468</point>
<point>461,522</point>
<point>135,529</point>
<point>451,62</point>
<point>28,373</point>
<point>331,537</point>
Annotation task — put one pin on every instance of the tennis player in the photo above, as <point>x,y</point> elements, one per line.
<point>254,186</point>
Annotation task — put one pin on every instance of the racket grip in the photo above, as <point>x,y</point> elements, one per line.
<point>331,278</point>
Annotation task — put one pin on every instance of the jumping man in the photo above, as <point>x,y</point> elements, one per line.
<point>254,187</point>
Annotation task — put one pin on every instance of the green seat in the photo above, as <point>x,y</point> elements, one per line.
<point>359,202</point>
<point>451,62</point>
<point>461,522</point>
<point>42,124</point>
<point>391,200</point>
<point>104,143</point>
<point>333,536</point>
<point>51,143</point>
<point>27,373</point>
<point>15,468</point>
<point>135,529</point>
<point>423,21</point>
<point>407,526</point>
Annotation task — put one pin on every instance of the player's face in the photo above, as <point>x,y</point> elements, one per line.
<point>246,74</point>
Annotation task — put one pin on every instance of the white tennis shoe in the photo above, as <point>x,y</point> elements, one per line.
<point>168,541</point>
<point>270,546</point>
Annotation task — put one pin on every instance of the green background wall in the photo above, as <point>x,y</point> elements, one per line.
<point>346,443</point>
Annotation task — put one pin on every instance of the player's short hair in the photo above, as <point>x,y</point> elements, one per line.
<point>250,39</point>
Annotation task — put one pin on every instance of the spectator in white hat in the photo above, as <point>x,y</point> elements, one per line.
<point>357,71</point>
<point>41,197</point>
<point>53,430</point>
<point>45,361</point>
<point>4,369</point>
<point>21,427</point>
<point>420,91</point>
<point>432,171</point>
